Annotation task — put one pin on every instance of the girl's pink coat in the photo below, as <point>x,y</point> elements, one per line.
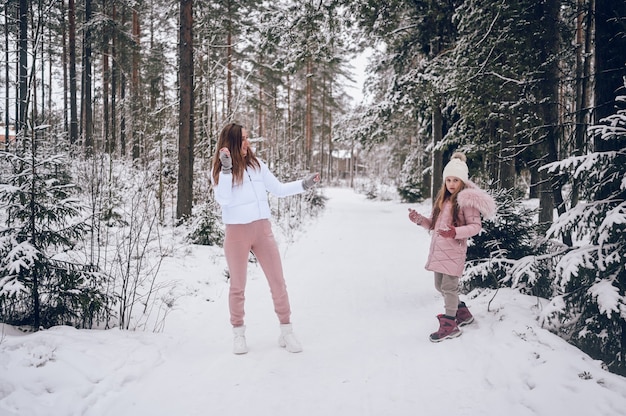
<point>448,255</point>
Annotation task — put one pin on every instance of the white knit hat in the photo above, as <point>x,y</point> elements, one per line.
<point>457,167</point>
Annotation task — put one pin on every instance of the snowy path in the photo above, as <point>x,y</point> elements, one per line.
<point>363,307</point>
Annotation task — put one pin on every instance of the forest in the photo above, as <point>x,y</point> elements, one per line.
<point>111,111</point>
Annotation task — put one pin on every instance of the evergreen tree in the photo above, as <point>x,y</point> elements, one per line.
<point>495,65</point>
<point>412,185</point>
<point>509,251</point>
<point>207,229</point>
<point>416,38</point>
<point>590,310</point>
<point>39,284</point>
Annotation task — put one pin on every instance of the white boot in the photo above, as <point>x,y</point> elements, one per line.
<point>288,340</point>
<point>239,343</point>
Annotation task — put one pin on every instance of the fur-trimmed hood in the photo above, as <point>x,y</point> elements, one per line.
<point>473,196</point>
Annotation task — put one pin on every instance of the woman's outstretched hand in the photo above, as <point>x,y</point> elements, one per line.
<point>310,180</point>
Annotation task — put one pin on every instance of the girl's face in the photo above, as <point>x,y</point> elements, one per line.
<point>453,183</point>
<point>244,142</point>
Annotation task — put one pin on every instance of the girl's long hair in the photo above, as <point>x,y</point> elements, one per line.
<point>442,196</point>
<point>231,137</point>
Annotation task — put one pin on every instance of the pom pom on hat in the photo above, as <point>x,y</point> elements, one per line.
<point>457,167</point>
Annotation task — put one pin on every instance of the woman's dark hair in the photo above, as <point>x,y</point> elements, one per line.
<point>231,137</point>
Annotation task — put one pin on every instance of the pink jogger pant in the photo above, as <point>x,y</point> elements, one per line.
<point>257,237</point>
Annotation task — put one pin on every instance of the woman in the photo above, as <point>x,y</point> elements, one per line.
<point>241,182</point>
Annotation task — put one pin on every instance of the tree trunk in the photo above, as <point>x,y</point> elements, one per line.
<point>87,82</point>
<point>323,126</point>
<point>261,115</point>
<point>330,143</point>
<point>33,74</point>
<point>106,80</point>
<point>549,85</point>
<point>50,67</point>
<point>583,45</point>
<point>186,121</point>
<point>41,30</point>
<point>23,67</point>
<point>114,78</point>
<point>33,240</point>
<point>7,84</point>
<point>309,112</point>
<point>134,89</point>
<point>437,135</point>
<point>289,121</point>
<point>610,54</point>
<point>122,79</point>
<point>229,61</point>
<point>507,154</point>
<point>66,124</point>
<point>73,84</point>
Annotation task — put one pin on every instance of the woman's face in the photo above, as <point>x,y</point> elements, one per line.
<point>453,183</point>
<point>244,142</point>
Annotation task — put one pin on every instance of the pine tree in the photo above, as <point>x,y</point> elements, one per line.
<point>509,251</point>
<point>590,310</point>
<point>412,187</point>
<point>39,285</point>
<point>207,228</point>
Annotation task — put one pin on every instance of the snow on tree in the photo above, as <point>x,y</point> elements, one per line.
<point>590,310</point>
<point>509,251</point>
<point>42,224</point>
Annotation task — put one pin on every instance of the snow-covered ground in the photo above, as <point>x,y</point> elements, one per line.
<point>363,307</point>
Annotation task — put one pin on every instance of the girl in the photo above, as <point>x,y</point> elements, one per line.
<point>241,182</point>
<point>455,218</point>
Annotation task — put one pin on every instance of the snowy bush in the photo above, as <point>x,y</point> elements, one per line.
<point>290,213</point>
<point>508,251</point>
<point>128,247</point>
<point>207,228</point>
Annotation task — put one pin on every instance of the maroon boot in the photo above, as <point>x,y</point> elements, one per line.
<point>463,315</point>
<point>447,329</point>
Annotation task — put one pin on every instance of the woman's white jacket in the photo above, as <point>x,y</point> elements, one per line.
<point>247,202</point>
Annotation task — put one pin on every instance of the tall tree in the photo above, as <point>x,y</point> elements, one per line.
<point>106,74</point>
<point>490,63</point>
<point>418,36</point>
<point>186,112</point>
<point>115,71</point>
<point>72,63</point>
<point>64,63</point>
<point>7,84</point>
<point>583,72</point>
<point>230,25</point>
<point>87,100</point>
<point>122,53</point>
<point>22,103</point>
<point>135,87</point>
<point>591,278</point>
<point>610,60</point>
<point>548,87</point>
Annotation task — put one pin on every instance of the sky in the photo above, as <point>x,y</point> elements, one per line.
<point>362,307</point>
